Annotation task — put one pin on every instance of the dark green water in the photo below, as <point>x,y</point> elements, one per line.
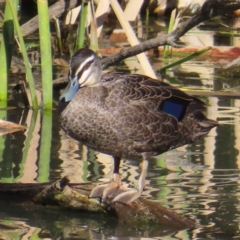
<point>198,181</point>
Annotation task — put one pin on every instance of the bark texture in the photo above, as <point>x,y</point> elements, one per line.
<point>63,195</point>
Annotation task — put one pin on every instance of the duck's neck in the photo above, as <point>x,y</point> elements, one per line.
<point>62,106</point>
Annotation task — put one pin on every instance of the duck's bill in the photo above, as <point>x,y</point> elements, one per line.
<point>70,90</point>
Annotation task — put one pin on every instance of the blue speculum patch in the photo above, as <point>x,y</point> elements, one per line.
<point>175,107</point>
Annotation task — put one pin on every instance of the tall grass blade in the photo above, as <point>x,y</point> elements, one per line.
<point>82,26</point>
<point>46,53</point>
<point>6,52</point>
<point>189,57</point>
<point>58,34</point>
<point>25,57</point>
<point>170,29</point>
<point>45,147</point>
<point>7,161</point>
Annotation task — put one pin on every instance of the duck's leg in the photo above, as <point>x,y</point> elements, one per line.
<point>129,195</point>
<point>104,190</point>
<point>124,195</point>
<point>114,187</point>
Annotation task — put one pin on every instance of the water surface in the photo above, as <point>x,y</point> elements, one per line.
<point>200,181</point>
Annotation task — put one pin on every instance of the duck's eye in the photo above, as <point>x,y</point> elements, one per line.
<point>87,65</point>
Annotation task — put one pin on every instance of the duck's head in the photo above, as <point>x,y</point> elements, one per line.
<point>85,70</point>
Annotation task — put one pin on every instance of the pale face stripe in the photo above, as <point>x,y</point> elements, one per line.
<point>85,77</point>
<point>84,63</point>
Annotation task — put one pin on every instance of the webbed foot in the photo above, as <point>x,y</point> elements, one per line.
<point>116,190</point>
<point>113,189</point>
<point>131,194</point>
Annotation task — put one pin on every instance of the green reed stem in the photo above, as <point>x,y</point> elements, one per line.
<point>170,29</point>
<point>189,57</point>
<point>45,147</point>
<point>25,57</point>
<point>46,53</point>
<point>6,52</point>
<point>3,115</point>
<point>7,162</point>
<point>58,34</point>
<point>81,26</point>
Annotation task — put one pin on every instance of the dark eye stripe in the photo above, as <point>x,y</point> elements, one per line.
<point>85,67</point>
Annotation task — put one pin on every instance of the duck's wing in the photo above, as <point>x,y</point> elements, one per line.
<point>152,114</point>
<point>156,95</point>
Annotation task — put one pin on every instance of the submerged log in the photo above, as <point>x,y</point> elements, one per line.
<point>55,10</point>
<point>75,196</point>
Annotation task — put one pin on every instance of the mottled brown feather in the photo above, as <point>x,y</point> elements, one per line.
<point>122,117</point>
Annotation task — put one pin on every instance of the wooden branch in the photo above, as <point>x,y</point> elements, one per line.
<point>75,196</point>
<point>210,8</point>
<point>215,53</point>
<point>55,10</point>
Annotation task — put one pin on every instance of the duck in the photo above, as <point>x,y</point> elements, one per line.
<point>127,116</point>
